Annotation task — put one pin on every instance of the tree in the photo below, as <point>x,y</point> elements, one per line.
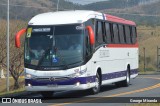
<point>16,55</point>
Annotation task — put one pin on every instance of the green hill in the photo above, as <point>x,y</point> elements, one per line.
<point>25,9</point>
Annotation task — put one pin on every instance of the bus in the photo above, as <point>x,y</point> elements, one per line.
<point>78,50</point>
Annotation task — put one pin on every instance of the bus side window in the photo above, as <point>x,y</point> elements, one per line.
<point>116,33</point>
<point>107,33</point>
<point>103,33</point>
<point>121,34</point>
<point>87,43</point>
<point>112,36</point>
<point>99,33</point>
<point>134,35</point>
<point>124,31</point>
<point>128,35</point>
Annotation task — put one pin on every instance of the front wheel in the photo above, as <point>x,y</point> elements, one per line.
<point>47,94</point>
<point>96,89</point>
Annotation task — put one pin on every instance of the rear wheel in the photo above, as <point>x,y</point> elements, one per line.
<point>126,82</point>
<point>47,94</point>
<point>96,89</point>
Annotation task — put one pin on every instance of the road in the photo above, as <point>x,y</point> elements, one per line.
<point>142,86</point>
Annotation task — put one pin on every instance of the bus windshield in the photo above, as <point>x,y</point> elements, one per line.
<point>54,46</point>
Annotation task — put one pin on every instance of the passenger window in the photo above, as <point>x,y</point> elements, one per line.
<point>115,33</point>
<point>121,34</point>
<point>128,35</point>
<point>99,34</point>
<point>108,33</point>
<point>134,35</point>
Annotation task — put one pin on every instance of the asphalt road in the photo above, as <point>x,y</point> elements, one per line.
<point>142,87</point>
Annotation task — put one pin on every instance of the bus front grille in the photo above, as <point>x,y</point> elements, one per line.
<point>52,79</point>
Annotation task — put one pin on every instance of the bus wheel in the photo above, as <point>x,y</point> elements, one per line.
<point>126,82</point>
<point>96,89</point>
<point>47,94</point>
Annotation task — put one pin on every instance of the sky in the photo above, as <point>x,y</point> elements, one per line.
<point>83,2</point>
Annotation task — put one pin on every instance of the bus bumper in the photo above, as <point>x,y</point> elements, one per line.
<point>79,83</point>
<point>60,87</point>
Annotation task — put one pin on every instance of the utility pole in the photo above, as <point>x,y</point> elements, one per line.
<point>57,5</point>
<point>7,80</point>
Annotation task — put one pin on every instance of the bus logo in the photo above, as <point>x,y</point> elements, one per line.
<point>52,79</point>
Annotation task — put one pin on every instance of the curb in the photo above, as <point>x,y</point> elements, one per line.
<point>19,94</point>
<point>154,73</point>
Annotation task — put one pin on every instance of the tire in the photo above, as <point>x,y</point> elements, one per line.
<point>47,94</point>
<point>126,82</point>
<point>96,89</point>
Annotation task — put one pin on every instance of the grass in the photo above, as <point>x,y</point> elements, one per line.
<point>149,38</point>
<point>147,72</point>
<point>3,86</point>
<point>12,92</point>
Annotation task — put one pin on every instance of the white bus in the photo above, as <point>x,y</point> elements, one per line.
<point>78,50</point>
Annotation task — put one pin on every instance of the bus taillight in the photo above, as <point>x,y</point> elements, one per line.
<point>91,35</point>
<point>18,36</point>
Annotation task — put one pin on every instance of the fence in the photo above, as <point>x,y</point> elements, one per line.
<point>148,62</point>
<point>149,48</point>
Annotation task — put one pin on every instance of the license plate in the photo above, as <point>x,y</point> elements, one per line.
<point>52,85</point>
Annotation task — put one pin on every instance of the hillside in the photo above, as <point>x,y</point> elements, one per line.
<point>148,15</point>
<point>25,9</point>
<point>117,4</point>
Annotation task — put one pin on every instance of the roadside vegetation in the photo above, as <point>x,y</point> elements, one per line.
<point>12,90</point>
<point>149,38</point>
<point>16,55</point>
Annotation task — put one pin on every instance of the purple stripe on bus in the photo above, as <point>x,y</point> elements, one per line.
<point>82,80</point>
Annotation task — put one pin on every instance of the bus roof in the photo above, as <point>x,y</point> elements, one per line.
<point>72,17</point>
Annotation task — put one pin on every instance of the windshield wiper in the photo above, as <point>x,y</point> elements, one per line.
<point>41,59</point>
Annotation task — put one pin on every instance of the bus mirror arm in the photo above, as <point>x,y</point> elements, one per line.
<point>18,37</point>
<point>91,35</point>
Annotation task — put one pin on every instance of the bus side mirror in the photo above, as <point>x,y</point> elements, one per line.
<point>91,35</point>
<point>18,37</point>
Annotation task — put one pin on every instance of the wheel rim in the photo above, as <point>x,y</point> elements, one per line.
<point>97,83</point>
<point>128,79</point>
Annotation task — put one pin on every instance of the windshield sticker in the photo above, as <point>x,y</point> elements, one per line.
<point>29,31</point>
<point>55,60</point>
<point>79,27</point>
<point>42,30</point>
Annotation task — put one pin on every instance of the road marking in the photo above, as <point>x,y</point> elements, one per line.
<point>115,95</point>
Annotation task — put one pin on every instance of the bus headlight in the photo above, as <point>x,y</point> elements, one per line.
<point>78,73</point>
<point>81,72</point>
<point>29,76</point>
